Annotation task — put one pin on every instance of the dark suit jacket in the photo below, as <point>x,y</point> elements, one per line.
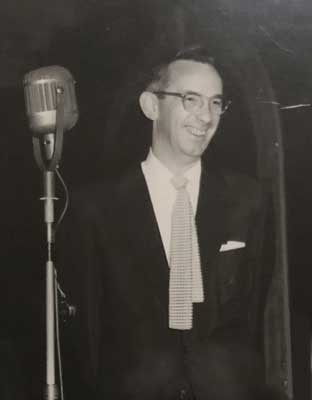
<point>117,274</point>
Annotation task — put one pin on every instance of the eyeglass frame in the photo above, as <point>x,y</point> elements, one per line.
<point>182,96</point>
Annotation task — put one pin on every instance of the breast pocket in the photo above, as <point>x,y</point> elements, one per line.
<point>232,281</point>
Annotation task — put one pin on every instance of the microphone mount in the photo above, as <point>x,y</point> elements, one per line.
<point>50,144</point>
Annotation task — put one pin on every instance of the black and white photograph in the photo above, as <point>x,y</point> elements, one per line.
<point>156,199</point>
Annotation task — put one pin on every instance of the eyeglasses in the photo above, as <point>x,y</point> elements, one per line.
<point>195,102</point>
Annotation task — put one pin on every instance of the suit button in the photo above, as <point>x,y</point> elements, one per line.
<point>231,281</point>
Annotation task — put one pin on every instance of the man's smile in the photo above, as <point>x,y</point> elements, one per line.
<point>197,132</point>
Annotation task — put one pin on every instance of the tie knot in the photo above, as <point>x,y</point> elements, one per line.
<point>179,182</point>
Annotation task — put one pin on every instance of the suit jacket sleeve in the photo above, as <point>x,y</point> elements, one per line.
<point>79,275</point>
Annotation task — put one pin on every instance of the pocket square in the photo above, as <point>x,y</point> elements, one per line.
<point>232,245</point>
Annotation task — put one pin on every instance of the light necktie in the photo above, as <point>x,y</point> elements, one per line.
<point>185,282</point>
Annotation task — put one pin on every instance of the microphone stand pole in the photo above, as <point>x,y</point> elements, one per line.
<point>48,198</point>
<point>51,146</point>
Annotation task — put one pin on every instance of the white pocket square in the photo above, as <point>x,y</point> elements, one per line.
<point>232,245</point>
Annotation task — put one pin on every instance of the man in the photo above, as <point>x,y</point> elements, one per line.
<point>146,334</point>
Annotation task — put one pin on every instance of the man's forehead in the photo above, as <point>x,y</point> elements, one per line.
<point>194,76</point>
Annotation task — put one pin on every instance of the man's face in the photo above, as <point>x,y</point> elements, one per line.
<point>180,137</point>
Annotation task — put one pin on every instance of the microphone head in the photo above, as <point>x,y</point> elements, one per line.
<point>40,90</point>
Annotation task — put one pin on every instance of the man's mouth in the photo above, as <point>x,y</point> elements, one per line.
<point>197,132</point>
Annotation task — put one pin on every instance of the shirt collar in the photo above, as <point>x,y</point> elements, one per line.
<point>159,171</point>
<point>156,169</point>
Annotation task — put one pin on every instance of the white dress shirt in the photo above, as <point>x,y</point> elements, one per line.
<point>163,194</point>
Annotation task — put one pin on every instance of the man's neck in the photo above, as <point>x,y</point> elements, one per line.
<point>176,168</point>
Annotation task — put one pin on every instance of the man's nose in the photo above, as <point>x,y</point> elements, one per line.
<point>205,113</point>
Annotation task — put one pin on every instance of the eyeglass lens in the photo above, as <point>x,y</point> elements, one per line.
<point>194,102</point>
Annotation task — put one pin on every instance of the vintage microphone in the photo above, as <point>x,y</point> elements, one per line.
<point>51,108</point>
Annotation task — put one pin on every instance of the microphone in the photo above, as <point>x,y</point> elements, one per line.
<point>41,87</point>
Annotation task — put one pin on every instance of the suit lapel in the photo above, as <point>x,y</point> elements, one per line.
<point>147,245</point>
<point>210,217</point>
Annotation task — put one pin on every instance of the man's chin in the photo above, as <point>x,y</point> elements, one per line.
<point>196,151</point>
<point>192,157</point>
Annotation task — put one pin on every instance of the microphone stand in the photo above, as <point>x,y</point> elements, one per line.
<point>51,145</point>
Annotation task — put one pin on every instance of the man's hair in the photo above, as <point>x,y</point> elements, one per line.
<point>160,74</point>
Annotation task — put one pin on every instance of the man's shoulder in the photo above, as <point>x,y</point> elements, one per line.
<point>240,187</point>
<point>241,183</point>
<point>105,192</point>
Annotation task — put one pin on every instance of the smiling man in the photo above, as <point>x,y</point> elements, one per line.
<point>167,257</point>
<point>185,113</point>
<point>184,102</point>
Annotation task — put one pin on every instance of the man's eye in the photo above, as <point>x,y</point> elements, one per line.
<point>217,102</point>
<point>191,98</point>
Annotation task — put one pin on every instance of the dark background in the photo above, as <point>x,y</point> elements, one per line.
<point>107,45</point>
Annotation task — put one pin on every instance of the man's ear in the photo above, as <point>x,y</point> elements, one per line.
<point>149,105</point>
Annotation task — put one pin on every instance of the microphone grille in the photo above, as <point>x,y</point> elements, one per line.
<point>40,87</point>
<point>40,96</point>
